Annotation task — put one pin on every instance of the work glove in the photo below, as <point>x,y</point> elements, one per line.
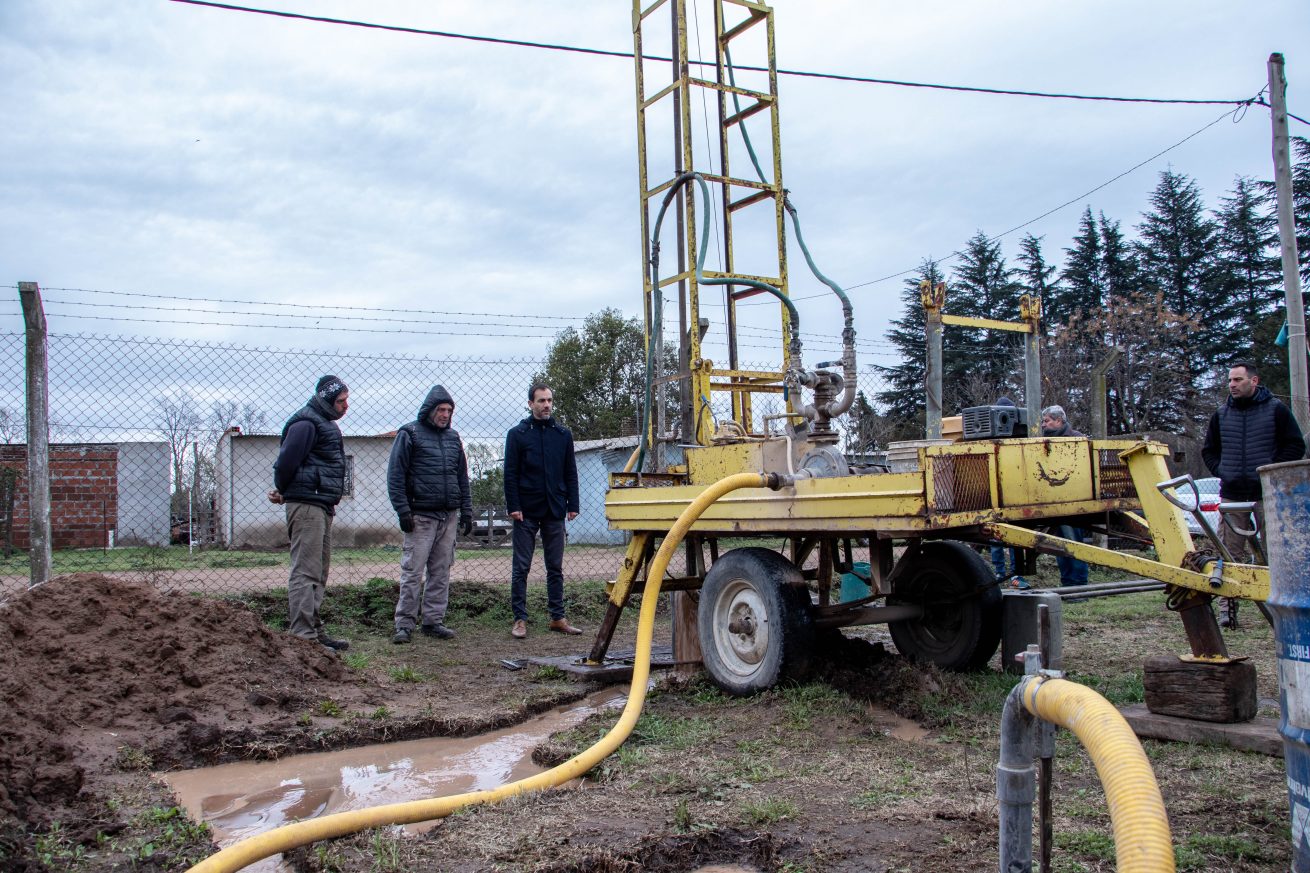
<point>465,525</point>
<point>407,522</point>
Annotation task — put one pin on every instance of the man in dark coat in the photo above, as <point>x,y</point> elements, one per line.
<point>1252,428</point>
<point>541,491</point>
<point>1055,423</point>
<point>309,479</point>
<point>428,483</point>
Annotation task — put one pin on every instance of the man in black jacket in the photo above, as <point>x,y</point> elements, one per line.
<point>309,478</point>
<point>541,491</point>
<point>1055,423</point>
<point>1252,428</point>
<point>428,482</point>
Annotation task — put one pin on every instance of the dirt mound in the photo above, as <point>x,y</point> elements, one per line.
<point>96,668</point>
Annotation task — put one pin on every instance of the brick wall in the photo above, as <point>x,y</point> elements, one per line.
<point>83,494</point>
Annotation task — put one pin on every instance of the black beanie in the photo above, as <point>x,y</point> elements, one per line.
<point>328,388</point>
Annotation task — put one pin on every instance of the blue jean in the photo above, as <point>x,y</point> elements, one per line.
<point>1072,570</point>
<point>552,549</point>
<point>998,561</point>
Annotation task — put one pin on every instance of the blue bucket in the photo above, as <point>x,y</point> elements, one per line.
<point>1287,532</point>
<point>855,584</point>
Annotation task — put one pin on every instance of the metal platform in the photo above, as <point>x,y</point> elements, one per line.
<point>617,666</point>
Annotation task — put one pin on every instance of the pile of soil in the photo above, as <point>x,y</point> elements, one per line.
<point>99,673</point>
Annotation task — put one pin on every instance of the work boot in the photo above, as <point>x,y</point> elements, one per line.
<point>400,637</point>
<point>336,645</point>
<point>520,629</point>
<point>562,626</point>
<point>438,630</point>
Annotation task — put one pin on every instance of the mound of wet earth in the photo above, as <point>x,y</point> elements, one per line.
<point>96,669</point>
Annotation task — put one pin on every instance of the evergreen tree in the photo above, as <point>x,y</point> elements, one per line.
<point>903,399</point>
<point>1037,277</point>
<point>1119,272</point>
<point>1082,284</point>
<point>1178,258</point>
<point>1252,272</point>
<point>1301,202</point>
<point>978,364</point>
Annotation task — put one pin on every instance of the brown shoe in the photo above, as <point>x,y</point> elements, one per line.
<point>562,626</point>
<point>520,629</point>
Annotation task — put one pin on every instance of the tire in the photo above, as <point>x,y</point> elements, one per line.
<point>961,625</point>
<point>765,596</point>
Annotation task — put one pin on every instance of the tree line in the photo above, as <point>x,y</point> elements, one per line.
<point>1185,291</point>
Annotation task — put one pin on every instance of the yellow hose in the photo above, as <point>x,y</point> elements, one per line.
<point>1137,815</point>
<point>300,833</point>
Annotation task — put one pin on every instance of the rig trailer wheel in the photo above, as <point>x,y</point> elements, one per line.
<point>960,628</point>
<point>754,621</point>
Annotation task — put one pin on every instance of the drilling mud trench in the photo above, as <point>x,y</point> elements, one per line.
<point>107,686</point>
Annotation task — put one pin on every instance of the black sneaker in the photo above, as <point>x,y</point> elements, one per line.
<point>337,645</point>
<point>400,637</point>
<point>440,631</point>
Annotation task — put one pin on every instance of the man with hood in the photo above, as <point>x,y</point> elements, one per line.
<point>1252,428</point>
<point>428,482</point>
<point>309,478</point>
<point>541,491</point>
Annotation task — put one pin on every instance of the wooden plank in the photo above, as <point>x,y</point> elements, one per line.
<point>1200,690</point>
<point>1257,735</point>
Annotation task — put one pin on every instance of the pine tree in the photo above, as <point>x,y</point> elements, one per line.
<point>1301,202</point>
<point>978,364</point>
<point>1252,272</point>
<point>1119,271</point>
<point>1082,284</point>
<point>1177,254</point>
<point>1038,278</point>
<point>903,399</point>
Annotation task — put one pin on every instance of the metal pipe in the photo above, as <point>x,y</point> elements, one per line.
<point>1016,783</point>
<point>869,615</point>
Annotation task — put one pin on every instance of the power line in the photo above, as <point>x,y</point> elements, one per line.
<point>522,43</point>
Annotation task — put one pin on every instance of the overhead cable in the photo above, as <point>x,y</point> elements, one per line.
<point>870,80</point>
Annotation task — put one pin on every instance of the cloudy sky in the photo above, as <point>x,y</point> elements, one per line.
<point>470,199</point>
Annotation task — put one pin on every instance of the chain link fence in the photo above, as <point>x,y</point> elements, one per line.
<point>162,450</point>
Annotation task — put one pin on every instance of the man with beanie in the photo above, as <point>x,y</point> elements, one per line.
<point>428,482</point>
<point>541,491</point>
<point>309,477</point>
<point>1252,428</point>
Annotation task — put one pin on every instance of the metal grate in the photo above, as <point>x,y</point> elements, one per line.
<point>960,483</point>
<point>1114,479</point>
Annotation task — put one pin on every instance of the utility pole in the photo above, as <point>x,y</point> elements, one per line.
<point>38,436</point>
<point>1296,348</point>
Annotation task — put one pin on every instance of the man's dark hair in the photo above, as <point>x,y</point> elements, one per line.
<point>538,386</point>
<point>1251,371</point>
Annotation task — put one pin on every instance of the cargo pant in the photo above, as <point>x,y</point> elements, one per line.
<point>310,528</point>
<point>429,547</point>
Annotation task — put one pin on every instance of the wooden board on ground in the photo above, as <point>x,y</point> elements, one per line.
<point>1200,690</point>
<point>617,666</point>
<point>1257,735</point>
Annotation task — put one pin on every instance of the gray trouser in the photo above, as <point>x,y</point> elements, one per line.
<point>310,529</point>
<point>430,547</point>
<point>1236,544</point>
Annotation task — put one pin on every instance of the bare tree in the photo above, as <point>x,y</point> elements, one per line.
<point>179,425</point>
<point>11,426</point>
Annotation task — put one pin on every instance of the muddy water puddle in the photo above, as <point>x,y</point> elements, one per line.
<point>247,798</point>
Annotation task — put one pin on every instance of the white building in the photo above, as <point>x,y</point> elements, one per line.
<point>243,468</point>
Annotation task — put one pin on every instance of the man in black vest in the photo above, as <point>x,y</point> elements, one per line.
<point>1252,428</point>
<point>541,491</point>
<point>309,478</point>
<point>428,482</point>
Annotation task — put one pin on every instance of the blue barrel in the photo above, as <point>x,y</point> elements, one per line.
<point>1287,529</point>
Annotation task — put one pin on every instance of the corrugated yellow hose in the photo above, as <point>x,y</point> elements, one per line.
<point>290,836</point>
<point>1137,816</point>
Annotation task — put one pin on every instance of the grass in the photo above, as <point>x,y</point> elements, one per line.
<point>405,673</point>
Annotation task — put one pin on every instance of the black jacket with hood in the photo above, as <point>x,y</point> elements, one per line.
<point>311,462</point>
<point>428,473</point>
